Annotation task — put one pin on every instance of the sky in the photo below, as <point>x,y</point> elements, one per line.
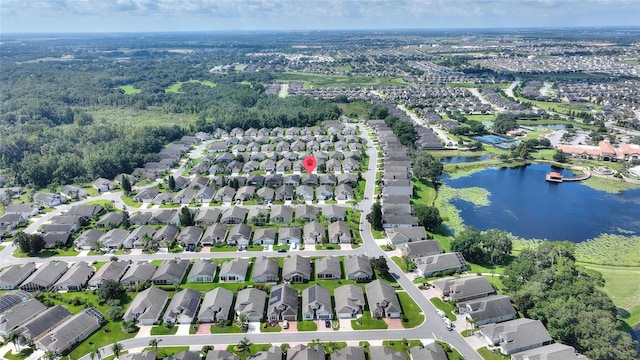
<point>59,16</point>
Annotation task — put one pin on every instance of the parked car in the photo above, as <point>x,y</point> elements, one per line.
<point>282,250</point>
<point>285,324</point>
<point>327,323</point>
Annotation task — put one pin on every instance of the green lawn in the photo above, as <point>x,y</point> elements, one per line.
<point>621,284</point>
<point>129,89</point>
<point>377,234</point>
<point>47,253</point>
<point>365,322</point>
<point>165,352</point>
<point>128,200</point>
<point>322,80</point>
<point>444,306</point>
<point>233,329</point>
<point>307,326</point>
<point>411,311</point>
<point>424,192</point>
<point>175,87</point>
<point>253,349</point>
<point>163,330</point>
<point>23,354</point>
<point>401,345</point>
<point>276,328</point>
<point>490,355</point>
<point>110,333</point>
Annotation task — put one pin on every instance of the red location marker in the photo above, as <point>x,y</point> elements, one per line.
<point>309,163</point>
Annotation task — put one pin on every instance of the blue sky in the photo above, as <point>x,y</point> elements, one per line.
<point>203,15</point>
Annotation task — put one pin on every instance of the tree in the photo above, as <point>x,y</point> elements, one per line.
<point>426,167</point>
<point>21,239</point>
<point>12,337</point>
<point>380,264</point>
<point>114,313</point>
<point>154,344</point>
<point>117,348</point>
<point>171,183</point>
<point>110,290</point>
<point>126,220</point>
<point>49,355</point>
<point>428,216</point>
<point>36,243</point>
<point>560,157</point>
<point>243,346</point>
<point>504,123</point>
<point>126,185</point>
<point>242,321</point>
<point>95,353</point>
<point>375,216</point>
<point>186,219</point>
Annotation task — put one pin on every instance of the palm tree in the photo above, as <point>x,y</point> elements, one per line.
<point>243,346</point>
<point>243,322</point>
<point>49,355</point>
<point>154,344</point>
<point>117,348</point>
<point>13,338</point>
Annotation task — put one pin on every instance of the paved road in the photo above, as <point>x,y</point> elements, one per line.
<point>432,327</point>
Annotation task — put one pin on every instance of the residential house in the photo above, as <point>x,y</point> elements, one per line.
<point>281,214</point>
<point>303,352</point>
<point>245,193</point>
<point>234,270</point>
<point>138,273</point>
<point>463,289</point>
<point>432,351</point>
<point>316,303</point>
<point>45,276</point>
<point>146,195</point>
<point>204,195</point>
<point>186,355</point>
<point>296,269</point>
<point>324,192</point>
<point>258,215</point>
<point>13,276</point>
<point>25,211</point>
<point>75,278</point>
<point>349,301</point>
<point>44,321</point>
<point>72,331</point>
<point>401,235</point>
<point>265,194</point>
<point>147,355</point>
<point>113,270</point>
<point>344,192</point>
<point>274,353</point>
<point>418,249</point>
<point>304,192</point>
<point>314,233</point>
<point>48,200</point>
<point>215,234</point>
<point>250,302</point>
<point>441,263</point>
<point>202,271</point>
<point>289,235</point>
<point>110,220</point>
<point>487,310</point>
<point>327,179</point>
<point>309,179</point>
<point>216,306</point>
<point>264,236</point>
<point>170,271</point>
<point>291,180</point>
<point>334,213</point>
<point>283,304</point>
<point>17,311</point>
<point>225,194</point>
<point>141,218</point>
<point>207,217</point>
<point>349,353</point>
<point>190,237</point>
<point>358,268</point>
<point>233,215</point>
<point>139,237</point>
<point>255,180</point>
<point>549,352</point>
<point>114,238</point>
<point>183,306</point>
<point>103,185</point>
<point>166,235</point>
<point>265,270</point>
<point>147,306</point>
<point>339,233</point>
<point>385,353</point>
<point>516,335</point>
<point>273,180</point>
<point>221,355</point>
<point>383,300</point>
<point>284,193</point>
<point>240,235</point>
<point>328,267</point>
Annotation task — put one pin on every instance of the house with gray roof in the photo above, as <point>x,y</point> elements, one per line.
<point>43,322</point>
<point>45,277</point>
<point>383,300</point>
<point>401,235</point>
<point>76,278</point>
<point>166,235</point>
<point>86,211</point>
<point>264,236</point>
<point>87,239</point>
<point>185,355</point>
<point>110,220</point>
<point>283,303</point>
<point>349,300</point>
<point>234,270</point>
<point>207,217</point>
<point>190,237</point>
<point>170,271</point>
<point>71,332</point>
<point>487,310</point>
<point>245,193</point>
<point>48,199</point>
<point>240,235</point>
<point>334,213</point>
<point>349,353</point>
<point>265,194</point>
<point>417,249</point>
<point>358,268</point>
<point>441,263</point>
<point>281,214</point>
<point>25,211</point>
<point>265,270</point>
<point>339,233</point>
<point>464,289</point>
<point>274,353</point>
<point>13,276</point>
<point>138,272</point>
<point>296,269</point>
<point>221,355</point>
<point>314,233</point>
<point>549,352</point>
<point>216,306</point>
<point>516,335</point>
<point>113,270</point>
<point>289,235</point>
<point>316,303</point>
<point>147,306</point>
<point>202,271</point>
<point>146,195</point>
<point>258,215</point>
<point>233,215</point>
<point>214,234</point>
<point>432,351</point>
<point>328,267</point>
<point>307,213</point>
<point>165,217</point>
<point>147,355</point>
<point>303,352</point>
<point>183,306</point>
<point>17,314</point>
<point>385,353</point>
<point>251,302</point>
<point>141,218</point>
<point>139,237</point>
<point>344,192</point>
<point>114,238</point>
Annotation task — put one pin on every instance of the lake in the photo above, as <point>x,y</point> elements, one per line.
<point>523,203</point>
<point>463,159</point>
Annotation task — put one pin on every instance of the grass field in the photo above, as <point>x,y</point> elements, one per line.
<point>355,109</point>
<point>307,326</point>
<point>490,355</point>
<point>175,87</point>
<point>621,284</point>
<point>129,89</point>
<point>401,345</point>
<point>425,192</point>
<point>162,330</point>
<point>481,118</point>
<point>322,80</point>
<point>23,354</point>
<point>444,306</point>
<point>411,310</point>
<point>365,322</point>
<point>136,118</point>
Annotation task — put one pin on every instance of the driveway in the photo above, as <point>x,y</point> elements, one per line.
<point>393,324</point>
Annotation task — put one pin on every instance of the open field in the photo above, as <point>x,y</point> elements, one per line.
<point>621,284</point>
<point>411,310</point>
<point>129,89</point>
<point>424,192</point>
<point>175,87</point>
<point>139,118</point>
<point>321,80</point>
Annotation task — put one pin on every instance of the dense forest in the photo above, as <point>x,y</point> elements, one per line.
<point>52,121</point>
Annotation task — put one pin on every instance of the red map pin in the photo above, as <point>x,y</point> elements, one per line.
<point>309,163</point>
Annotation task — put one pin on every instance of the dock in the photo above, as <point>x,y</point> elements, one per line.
<point>556,177</point>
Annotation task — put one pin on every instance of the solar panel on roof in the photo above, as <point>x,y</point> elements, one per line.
<point>7,303</point>
<point>193,304</point>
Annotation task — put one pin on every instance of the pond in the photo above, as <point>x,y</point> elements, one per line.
<point>523,203</point>
<point>463,159</point>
